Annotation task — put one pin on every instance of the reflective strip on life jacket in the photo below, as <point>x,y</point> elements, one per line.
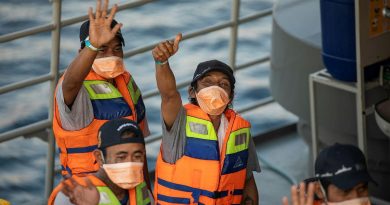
<point>135,93</point>
<point>205,175</point>
<point>236,157</point>
<point>107,102</point>
<point>200,137</point>
<point>199,128</point>
<point>238,141</point>
<point>142,193</point>
<point>99,89</point>
<point>107,197</point>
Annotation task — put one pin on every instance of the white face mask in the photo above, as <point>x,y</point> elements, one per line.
<point>126,175</point>
<point>357,201</point>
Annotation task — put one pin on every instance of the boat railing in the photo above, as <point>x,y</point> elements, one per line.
<point>55,28</point>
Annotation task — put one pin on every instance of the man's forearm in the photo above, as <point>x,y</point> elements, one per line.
<point>250,195</point>
<point>170,97</point>
<point>80,66</point>
<point>166,82</point>
<point>76,73</point>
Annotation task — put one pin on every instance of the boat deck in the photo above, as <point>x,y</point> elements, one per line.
<point>288,153</point>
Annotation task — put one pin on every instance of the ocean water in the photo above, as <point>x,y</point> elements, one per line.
<point>23,160</point>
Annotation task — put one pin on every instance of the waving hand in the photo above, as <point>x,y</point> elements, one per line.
<point>100,31</point>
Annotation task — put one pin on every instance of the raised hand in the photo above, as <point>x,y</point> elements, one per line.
<point>300,197</point>
<point>100,31</point>
<point>164,50</point>
<point>79,194</point>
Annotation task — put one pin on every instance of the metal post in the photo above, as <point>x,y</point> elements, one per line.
<point>360,94</point>
<point>234,33</point>
<point>313,120</point>
<point>54,64</point>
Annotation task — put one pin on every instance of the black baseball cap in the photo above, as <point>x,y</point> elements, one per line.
<point>84,32</point>
<point>110,133</point>
<point>213,65</point>
<point>342,165</point>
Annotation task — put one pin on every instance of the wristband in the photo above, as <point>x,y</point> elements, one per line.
<point>90,46</point>
<point>161,63</point>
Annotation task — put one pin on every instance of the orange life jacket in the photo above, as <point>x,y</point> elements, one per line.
<point>137,196</point>
<point>204,174</point>
<point>108,102</point>
<point>317,202</point>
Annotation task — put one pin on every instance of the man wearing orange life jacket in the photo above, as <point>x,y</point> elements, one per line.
<point>341,178</point>
<point>119,180</point>
<point>207,154</point>
<point>94,88</point>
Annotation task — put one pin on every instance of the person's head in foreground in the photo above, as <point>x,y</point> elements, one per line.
<point>120,156</point>
<point>212,87</point>
<point>341,178</point>
<point>342,174</point>
<point>121,152</point>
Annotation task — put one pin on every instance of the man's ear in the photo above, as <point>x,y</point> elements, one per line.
<point>317,190</point>
<point>98,156</point>
<point>191,92</point>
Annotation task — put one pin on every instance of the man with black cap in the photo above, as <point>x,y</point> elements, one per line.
<point>119,180</point>
<point>341,177</point>
<point>207,155</point>
<point>95,88</point>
